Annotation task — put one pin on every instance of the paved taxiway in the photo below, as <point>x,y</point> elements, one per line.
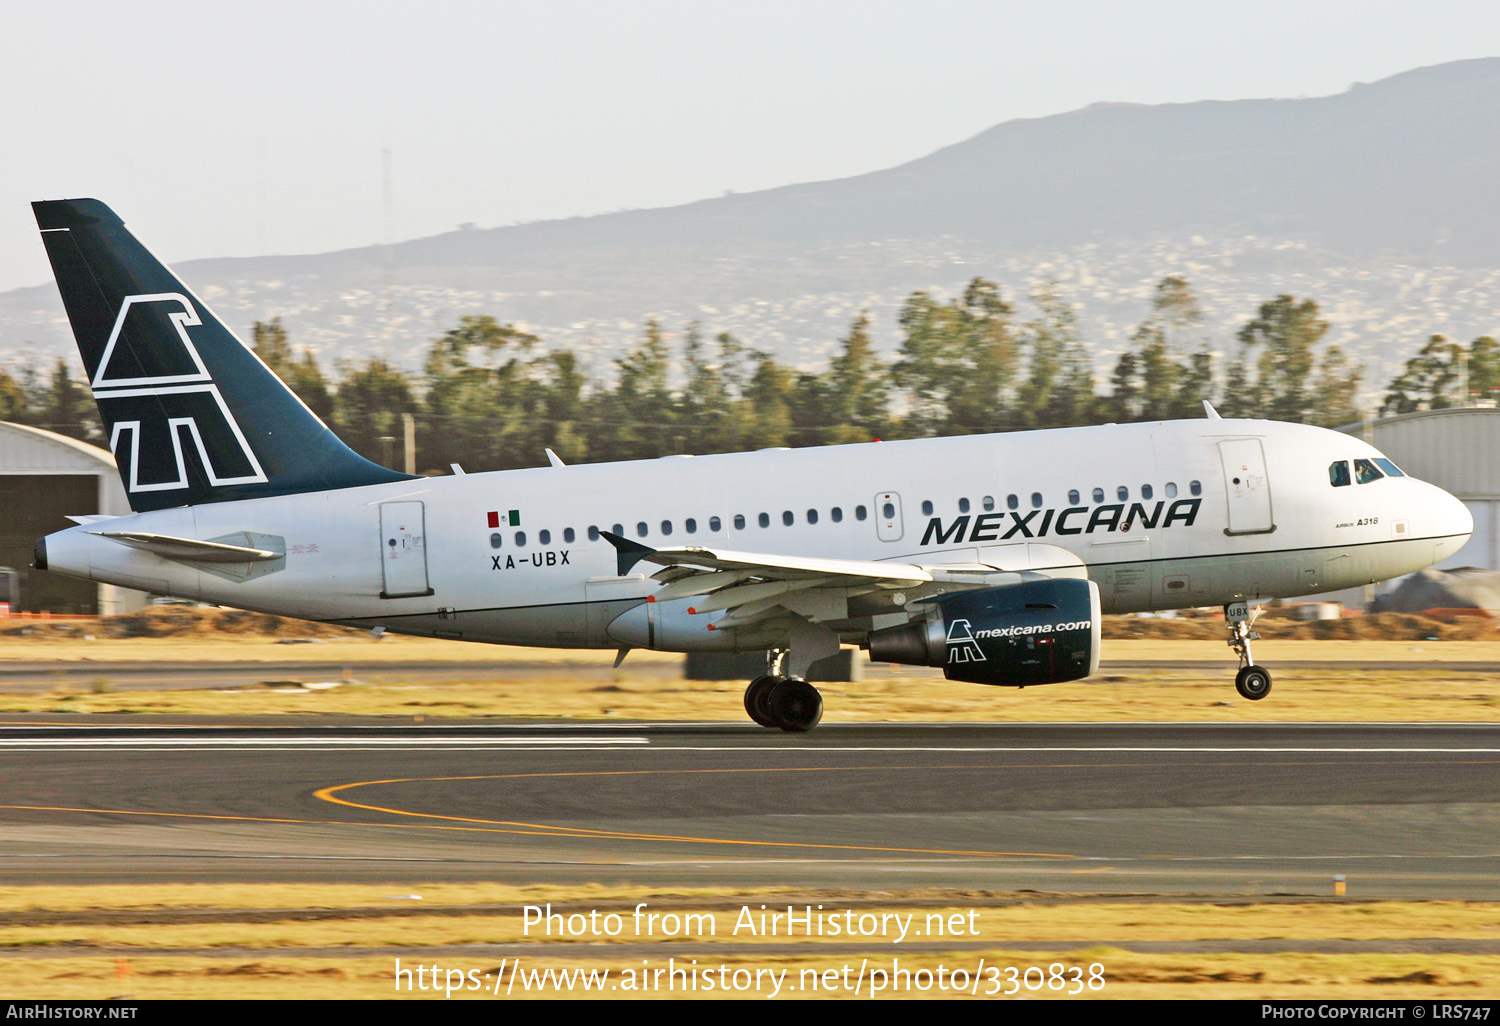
<point>1399,810</point>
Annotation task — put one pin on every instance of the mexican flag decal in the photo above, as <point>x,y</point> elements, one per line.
<point>511,518</point>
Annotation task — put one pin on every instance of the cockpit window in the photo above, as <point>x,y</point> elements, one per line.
<point>1338,473</point>
<point>1365,472</point>
<point>1390,468</point>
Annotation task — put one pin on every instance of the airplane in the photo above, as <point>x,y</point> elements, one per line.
<point>990,556</point>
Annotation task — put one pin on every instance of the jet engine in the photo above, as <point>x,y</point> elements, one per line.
<point>1034,632</point>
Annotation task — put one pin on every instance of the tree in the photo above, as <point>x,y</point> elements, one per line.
<point>766,396</point>
<point>1161,380</point>
<point>1041,400</point>
<point>1273,375</point>
<point>300,371</point>
<point>481,397</point>
<point>985,390</point>
<point>269,341</point>
<point>14,406</point>
<point>958,361</point>
<point>640,409</point>
<point>1484,368</point>
<point>1429,381</point>
<point>66,405</point>
<point>1444,374</point>
<point>368,408</point>
<point>857,393</point>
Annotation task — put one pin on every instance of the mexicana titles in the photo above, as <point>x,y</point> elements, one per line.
<point>1039,523</point>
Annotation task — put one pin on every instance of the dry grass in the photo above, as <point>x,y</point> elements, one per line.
<point>1082,924</point>
<point>287,968</point>
<point>1127,975</point>
<point>1331,692</point>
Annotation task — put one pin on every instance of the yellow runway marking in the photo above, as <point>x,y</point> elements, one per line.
<point>328,794</point>
<point>480,825</point>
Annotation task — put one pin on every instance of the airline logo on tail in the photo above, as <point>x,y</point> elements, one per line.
<point>154,396</point>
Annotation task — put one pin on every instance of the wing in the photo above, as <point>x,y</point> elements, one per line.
<point>848,594</point>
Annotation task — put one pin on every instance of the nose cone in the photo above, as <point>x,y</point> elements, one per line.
<point>1452,523</point>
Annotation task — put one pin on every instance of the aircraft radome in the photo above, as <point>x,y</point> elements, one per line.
<point>991,556</point>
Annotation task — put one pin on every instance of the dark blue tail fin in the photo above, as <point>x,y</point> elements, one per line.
<point>191,414</point>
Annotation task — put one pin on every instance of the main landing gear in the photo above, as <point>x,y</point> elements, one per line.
<point>1252,682</point>
<point>790,703</point>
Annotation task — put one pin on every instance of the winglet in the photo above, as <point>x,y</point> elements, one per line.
<point>554,459</point>
<point>1208,409</point>
<point>627,552</point>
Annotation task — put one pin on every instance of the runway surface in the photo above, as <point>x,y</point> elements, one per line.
<point>1280,809</point>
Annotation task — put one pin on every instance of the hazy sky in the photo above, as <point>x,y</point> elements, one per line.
<point>231,128</point>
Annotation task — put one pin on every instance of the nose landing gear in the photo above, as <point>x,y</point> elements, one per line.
<point>1252,682</point>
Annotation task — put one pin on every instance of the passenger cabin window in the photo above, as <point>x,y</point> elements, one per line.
<point>764,520</point>
<point>838,515</point>
<point>1122,493</point>
<point>860,513</point>
<point>927,507</point>
<point>690,525</point>
<point>739,521</point>
<point>888,511</point>
<point>544,536</point>
<point>1098,494</point>
<point>1390,468</point>
<point>1013,502</point>
<point>812,516</point>
<point>640,528</point>
<point>666,527</point>
<point>1338,473</point>
<point>495,541</point>
<point>788,517</point>
<point>1365,472</point>
<point>593,533</point>
<point>520,538</point>
<point>1036,500</point>
<point>1171,489</point>
<point>1195,487</point>
<point>1146,492</point>
<point>568,535</point>
<point>963,505</point>
<point>989,503</point>
<point>618,530</point>
<point>714,523</point>
<point>1073,496</point>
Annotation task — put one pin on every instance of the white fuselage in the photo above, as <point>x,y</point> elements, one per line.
<point>1186,513</point>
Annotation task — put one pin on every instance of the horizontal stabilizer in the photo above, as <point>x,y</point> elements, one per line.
<point>191,550</point>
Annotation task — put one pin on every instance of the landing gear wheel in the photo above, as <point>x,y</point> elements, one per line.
<point>796,705</point>
<point>1253,682</point>
<point>758,700</point>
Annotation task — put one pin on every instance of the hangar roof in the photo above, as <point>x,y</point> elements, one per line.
<point>27,450</point>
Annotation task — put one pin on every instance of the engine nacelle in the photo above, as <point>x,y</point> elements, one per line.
<point>1035,632</point>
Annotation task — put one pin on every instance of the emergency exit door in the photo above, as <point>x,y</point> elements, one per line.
<point>403,550</point>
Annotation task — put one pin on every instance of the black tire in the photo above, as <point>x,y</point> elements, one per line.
<point>796,705</point>
<point>1253,682</point>
<point>758,700</point>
